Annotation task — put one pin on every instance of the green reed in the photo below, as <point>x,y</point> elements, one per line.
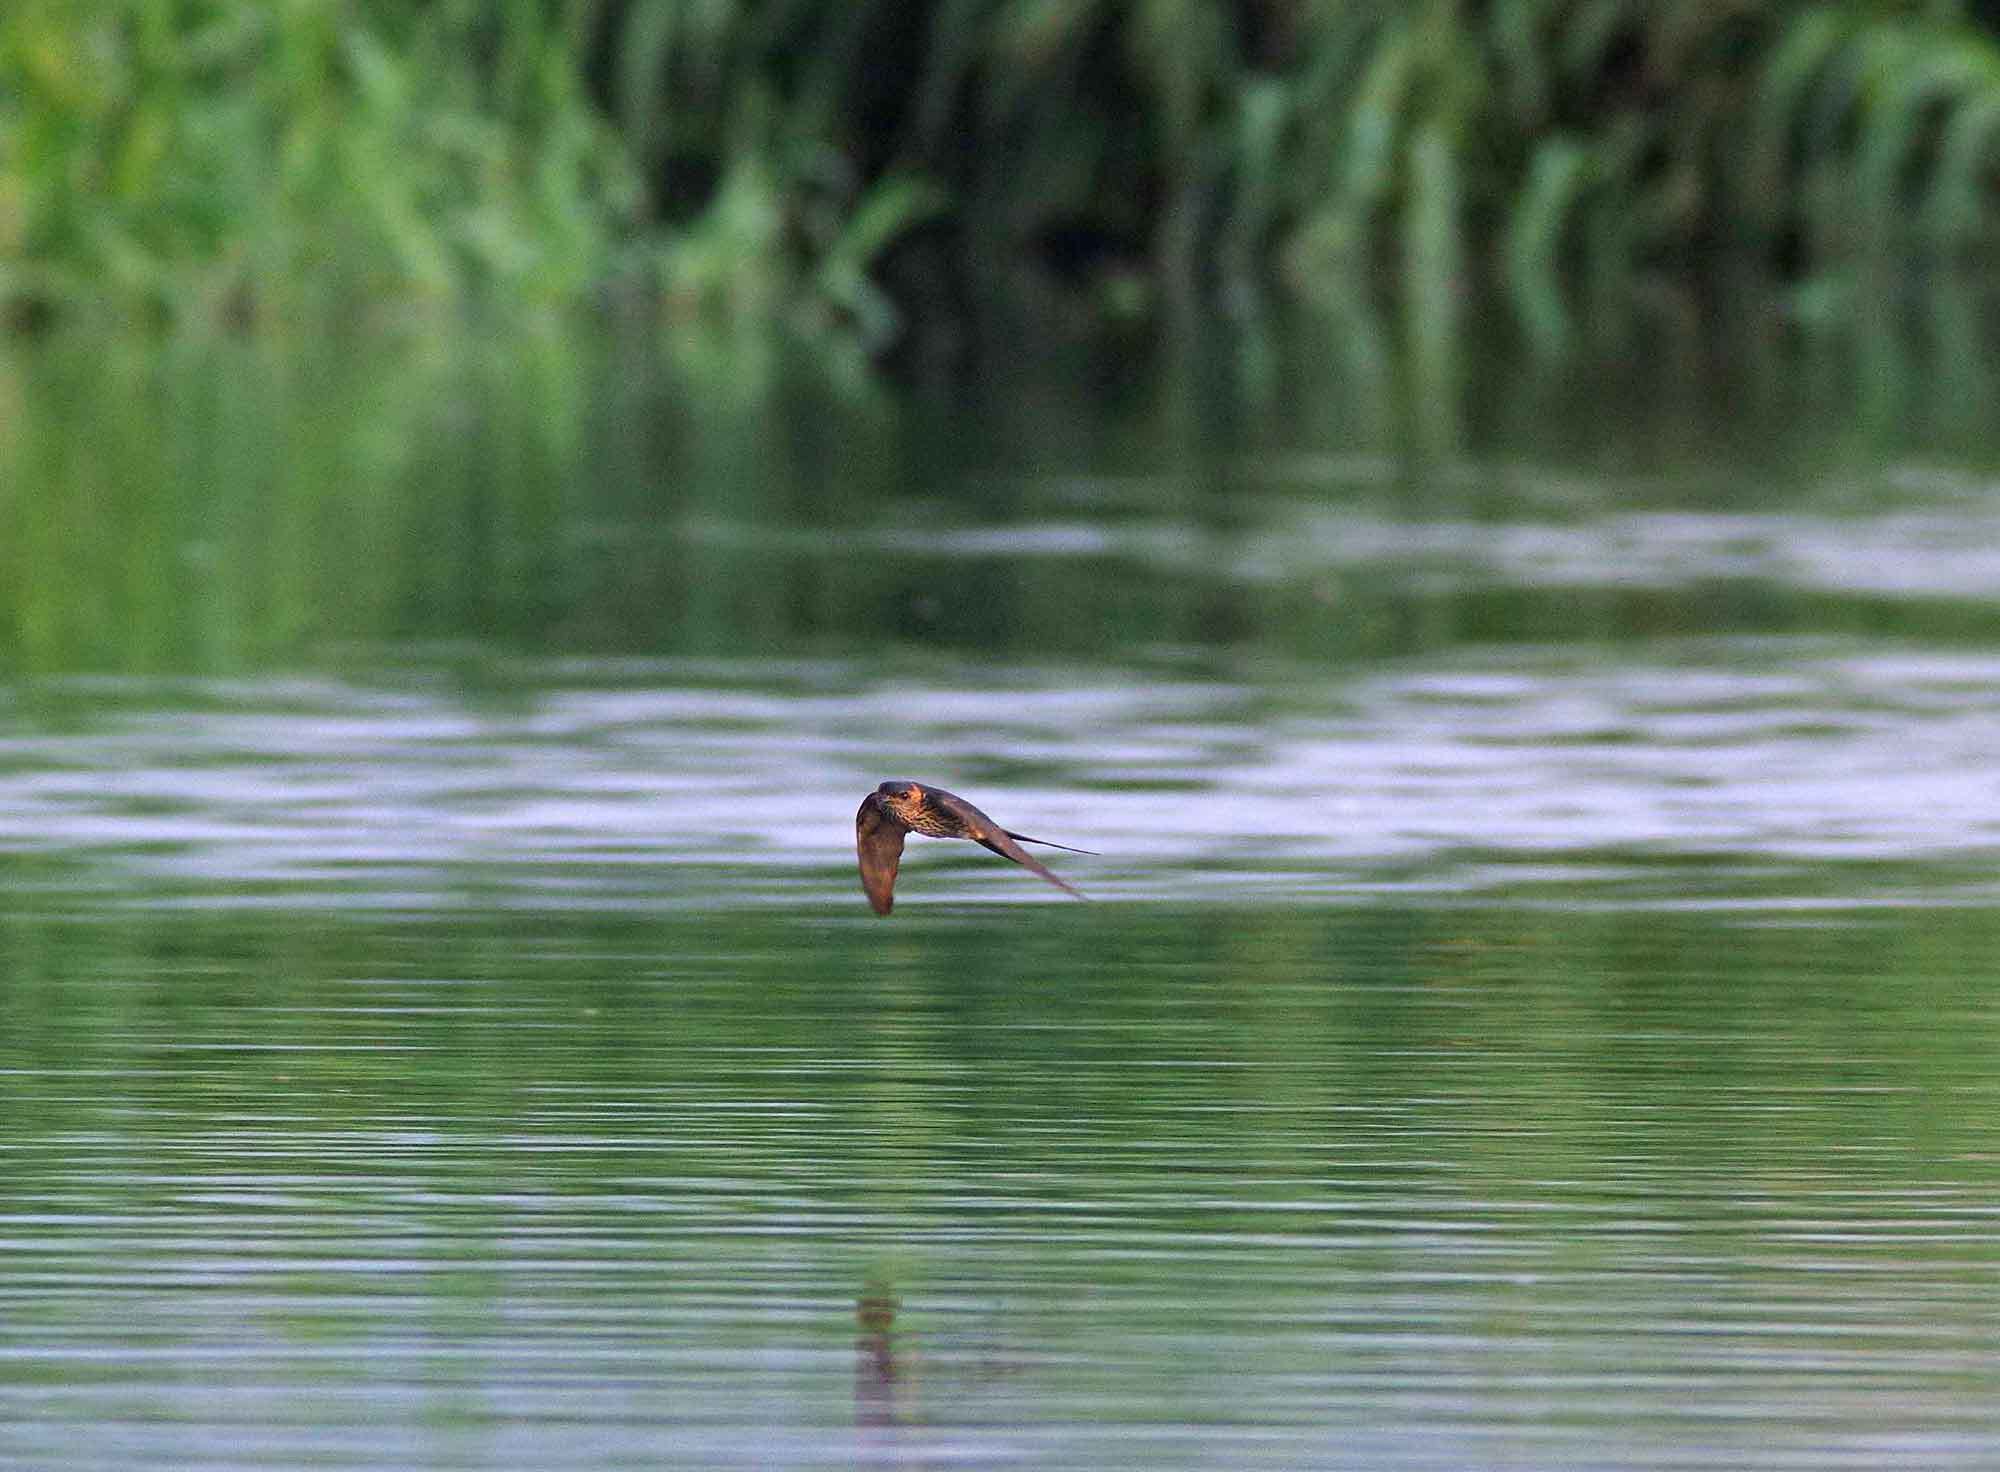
<point>825,163</point>
<point>1565,142</point>
<point>271,163</point>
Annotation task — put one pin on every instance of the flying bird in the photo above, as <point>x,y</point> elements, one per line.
<point>898,808</point>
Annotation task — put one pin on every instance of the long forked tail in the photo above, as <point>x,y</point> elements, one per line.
<point>1023,838</point>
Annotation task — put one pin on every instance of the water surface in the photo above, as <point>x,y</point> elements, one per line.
<point>1114,1185</point>
<point>1770,770</point>
<point>1535,1007</point>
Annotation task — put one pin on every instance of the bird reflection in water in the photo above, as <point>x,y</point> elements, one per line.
<point>886,1372</point>
<point>878,1369</point>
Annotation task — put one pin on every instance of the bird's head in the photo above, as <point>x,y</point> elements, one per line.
<point>902,791</point>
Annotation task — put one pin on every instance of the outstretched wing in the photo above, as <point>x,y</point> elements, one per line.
<point>878,842</point>
<point>988,834</point>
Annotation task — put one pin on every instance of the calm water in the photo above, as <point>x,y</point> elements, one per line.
<point>1536,1007</point>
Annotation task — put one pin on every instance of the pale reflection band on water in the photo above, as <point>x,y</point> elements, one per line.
<point>1711,770</point>
<point>1925,552</point>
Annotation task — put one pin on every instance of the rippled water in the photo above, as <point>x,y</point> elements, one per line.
<point>1097,1186</point>
<point>1757,770</point>
<point>1536,1007</point>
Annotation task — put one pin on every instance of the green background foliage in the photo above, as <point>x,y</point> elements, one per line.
<point>843,164</point>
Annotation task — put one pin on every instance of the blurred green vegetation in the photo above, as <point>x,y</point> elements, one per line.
<point>297,162</point>
<point>846,162</point>
<point>551,326</point>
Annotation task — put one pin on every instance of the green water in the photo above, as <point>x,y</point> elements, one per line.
<point>1237,1187</point>
<point>1534,1006</point>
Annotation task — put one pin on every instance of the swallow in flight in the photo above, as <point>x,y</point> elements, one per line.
<point>898,808</point>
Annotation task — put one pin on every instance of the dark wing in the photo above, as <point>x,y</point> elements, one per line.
<point>988,834</point>
<point>878,841</point>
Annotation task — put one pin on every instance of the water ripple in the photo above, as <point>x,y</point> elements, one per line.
<point>1756,770</point>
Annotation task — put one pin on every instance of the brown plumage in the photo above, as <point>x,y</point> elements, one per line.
<point>898,808</point>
